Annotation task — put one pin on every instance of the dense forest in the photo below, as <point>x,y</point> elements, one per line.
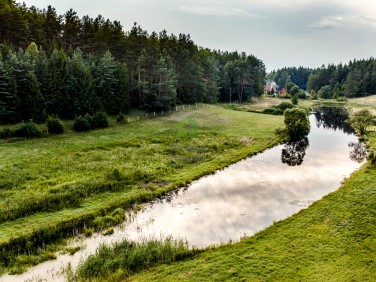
<point>355,79</point>
<point>298,76</point>
<point>69,66</point>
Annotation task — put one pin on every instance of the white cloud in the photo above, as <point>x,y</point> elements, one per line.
<point>329,23</point>
<point>217,10</point>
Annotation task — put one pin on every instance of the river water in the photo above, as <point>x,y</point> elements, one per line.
<point>238,201</point>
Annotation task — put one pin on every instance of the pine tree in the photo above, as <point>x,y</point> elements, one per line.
<point>35,103</point>
<point>78,87</point>
<point>8,99</point>
<point>211,78</point>
<point>104,83</point>
<point>122,102</point>
<point>52,26</point>
<point>163,93</point>
<point>58,71</point>
<point>71,29</point>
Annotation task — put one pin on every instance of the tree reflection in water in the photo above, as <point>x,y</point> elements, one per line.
<point>358,151</point>
<point>293,152</point>
<point>332,117</point>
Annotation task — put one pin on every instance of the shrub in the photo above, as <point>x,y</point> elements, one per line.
<point>279,109</point>
<point>5,133</point>
<point>100,120</point>
<point>372,156</point>
<point>361,120</point>
<point>82,123</point>
<point>54,125</point>
<point>273,111</point>
<point>285,105</point>
<point>28,130</point>
<point>120,118</point>
<point>297,123</point>
<point>294,99</point>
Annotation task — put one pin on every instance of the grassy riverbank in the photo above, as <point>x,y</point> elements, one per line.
<point>333,240</point>
<point>53,187</point>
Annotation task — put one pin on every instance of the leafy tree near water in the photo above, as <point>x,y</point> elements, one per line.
<point>297,123</point>
<point>361,120</point>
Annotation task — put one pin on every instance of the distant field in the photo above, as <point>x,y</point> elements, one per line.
<point>363,103</point>
<point>51,187</point>
<point>354,104</point>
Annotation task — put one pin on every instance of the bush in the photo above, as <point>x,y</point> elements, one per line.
<point>372,156</point>
<point>361,120</point>
<point>273,111</point>
<point>82,123</point>
<point>54,125</point>
<point>28,130</point>
<point>279,109</point>
<point>294,99</point>
<point>297,123</point>
<point>100,120</point>
<point>5,133</point>
<point>285,105</point>
<point>120,118</point>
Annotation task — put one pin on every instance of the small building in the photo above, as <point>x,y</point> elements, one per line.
<point>270,86</point>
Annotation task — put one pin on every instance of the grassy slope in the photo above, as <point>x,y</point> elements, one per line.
<point>333,240</point>
<point>167,151</point>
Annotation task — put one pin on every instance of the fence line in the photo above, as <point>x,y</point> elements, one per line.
<point>185,108</point>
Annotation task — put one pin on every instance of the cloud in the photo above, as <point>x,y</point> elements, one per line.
<point>217,10</point>
<point>329,23</point>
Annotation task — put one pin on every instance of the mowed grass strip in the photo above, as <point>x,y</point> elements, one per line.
<point>50,182</point>
<point>332,240</point>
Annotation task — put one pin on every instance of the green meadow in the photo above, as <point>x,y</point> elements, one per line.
<point>60,185</point>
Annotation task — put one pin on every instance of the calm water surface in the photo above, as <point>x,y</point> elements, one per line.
<point>235,202</point>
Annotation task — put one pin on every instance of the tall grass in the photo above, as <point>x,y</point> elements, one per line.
<point>114,263</point>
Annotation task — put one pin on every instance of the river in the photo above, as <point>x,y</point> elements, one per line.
<point>238,201</point>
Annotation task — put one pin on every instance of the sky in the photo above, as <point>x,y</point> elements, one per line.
<point>281,33</point>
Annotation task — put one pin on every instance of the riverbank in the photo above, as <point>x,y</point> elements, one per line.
<point>57,186</point>
<point>332,240</point>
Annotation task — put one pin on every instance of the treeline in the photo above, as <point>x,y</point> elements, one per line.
<point>298,76</point>
<point>355,79</point>
<point>70,66</point>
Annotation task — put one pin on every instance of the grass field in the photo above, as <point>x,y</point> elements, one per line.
<point>333,240</point>
<point>55,186</point>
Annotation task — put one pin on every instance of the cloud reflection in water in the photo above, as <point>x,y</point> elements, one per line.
<point>251,194</point>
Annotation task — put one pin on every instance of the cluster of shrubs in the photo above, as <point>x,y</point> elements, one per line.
<point>88,122</point>
<point>279,109</point>
<point>31,130</point>
<point>55,126</point>
<point>27,130</point>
